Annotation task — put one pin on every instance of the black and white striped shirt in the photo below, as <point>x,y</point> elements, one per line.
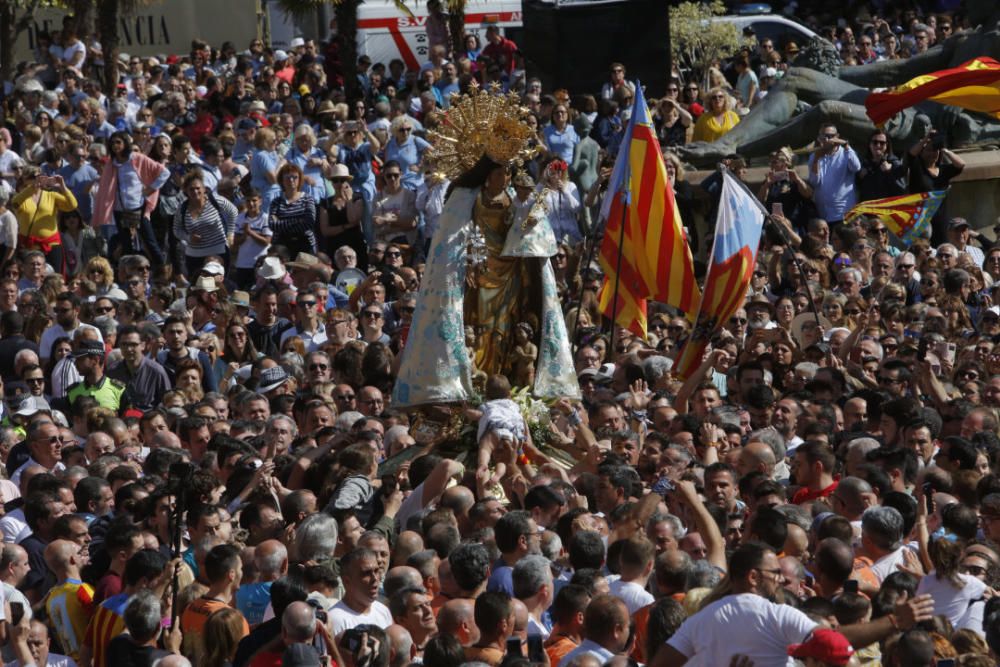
<point>214,224</point>
<point>293,222</point>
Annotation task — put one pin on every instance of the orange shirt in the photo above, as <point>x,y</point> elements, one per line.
<point>557,647</point>
<point>193,625</point>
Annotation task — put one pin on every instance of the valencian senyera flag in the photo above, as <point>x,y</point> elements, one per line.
<point>974,86</point>
<point>734,253</point>
<point>654,260</point>
<point>906,216</point>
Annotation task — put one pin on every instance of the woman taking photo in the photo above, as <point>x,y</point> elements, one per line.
<point>718,118</point>
<point>784,188</point>
<point>36,205</point>
<point>264,166</point>
<point>205,222</point>
<point>932,166</point>
<point>672,122</point>
<point>293,213</point>
<point>407,150</point>
<point>340,218</point>
<point>358,147</point>
<point>882,174</point>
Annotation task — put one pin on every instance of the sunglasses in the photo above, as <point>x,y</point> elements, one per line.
<point>318,367</point>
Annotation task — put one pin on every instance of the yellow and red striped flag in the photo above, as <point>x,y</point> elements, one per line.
<point>974,85</point>
<point>654,258</point>
<point>734,253</point>
<point>906,216</point>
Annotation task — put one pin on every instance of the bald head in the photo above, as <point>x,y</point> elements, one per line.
<point>853,496</point>
<point>756,456</point>
<point>457,618</point>
<point>26,476</point>
<point>520,616</point>
<point>61,557</point>
<point>401,649</point>
<point>459,499</point>
<point>408,543</point>
<point>298,623</point>
<point>166,439</point>
<point>271,559</point>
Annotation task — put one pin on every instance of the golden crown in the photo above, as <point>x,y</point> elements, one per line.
<point>482,123</point>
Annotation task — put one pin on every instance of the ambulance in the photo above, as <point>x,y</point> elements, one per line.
<point>385,33</point>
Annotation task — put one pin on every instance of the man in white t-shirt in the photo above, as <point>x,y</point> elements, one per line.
<point>746,622</point>
<point>362,576</point>
<point>635,562</point>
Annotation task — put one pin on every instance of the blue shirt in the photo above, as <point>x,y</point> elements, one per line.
<point>501,579</point>
<point>252,601</point>
<point>128,193</point>
<point>561,144</point>
<point>359,162</point>
<point>833,183</point>
<point>301,160</point>
<point>407,154</point>
<point>261,163</point>
<point>77,181</point>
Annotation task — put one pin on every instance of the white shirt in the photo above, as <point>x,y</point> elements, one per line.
<point>886,565</point>
<point>16,477</point>
<point>54,332</point>
<point>587,647</point>
<point>12,525</point>
<point>536,628</point>
<point>956,603</point>
<point>747,624</point>
<point>344,618</point>
<point>632,594</point>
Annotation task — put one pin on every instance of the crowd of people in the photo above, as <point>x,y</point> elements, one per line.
<point>207,278</point>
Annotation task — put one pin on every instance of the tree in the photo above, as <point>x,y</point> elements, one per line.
<point>109,15</point>
<point>696,40</point>
<point>456,25</point>
<point>15,17</point>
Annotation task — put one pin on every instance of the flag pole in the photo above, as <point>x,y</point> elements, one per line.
<point>618,273</point>
<point>795,260</point>
<point>575,343</point>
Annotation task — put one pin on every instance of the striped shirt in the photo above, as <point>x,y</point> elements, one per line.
<point>294,223</point>
<point>106,624</point>
<point>214,224</point>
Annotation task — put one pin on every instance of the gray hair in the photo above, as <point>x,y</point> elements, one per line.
<point>851,271</point>
<point>676,525</point>
<point>681,451</point>
<point>728,415</point>
<point>807,368</point>
<point>884,526</point>
<point>142,616</point>
<point>529,574</point>
<point>770,437</point>
<point>864,444</point>
<point>551,545</point>
<point>272,563</point>
<point>704,575</point>
<point>796,514</point>
<point>316,538</point>
<point>655,368</point>
<point>283,417</point>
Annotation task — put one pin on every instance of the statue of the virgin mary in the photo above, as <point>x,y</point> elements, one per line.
<point>488,265</point>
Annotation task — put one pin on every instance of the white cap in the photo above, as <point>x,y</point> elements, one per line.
<point>771,72</point>
<point>296,43</point>
<point>280,55</point>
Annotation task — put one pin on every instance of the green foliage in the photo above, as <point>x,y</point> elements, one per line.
<point>696,41</point>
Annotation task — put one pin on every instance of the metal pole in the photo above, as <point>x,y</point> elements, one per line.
<point>618,273</point>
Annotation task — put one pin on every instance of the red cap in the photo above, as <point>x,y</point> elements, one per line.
<point>827,645</point>
<point>171,59</point>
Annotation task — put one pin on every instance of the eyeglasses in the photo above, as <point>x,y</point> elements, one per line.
<point>406,129</point>
<point>102,310</point>
<point>318,367</point>
<point>63,311</point>
<point>394,174</point>
<point>393,253</point>
<point>776,572</point>
<point>372,314</point>
<point>51,440</point>
<point>35,380</point>
<point>737,320</point>
<point>879,142</point>
<point>344,397</point>
<point>888,380</point>
<point>307,304</point>
<point>906,267</point>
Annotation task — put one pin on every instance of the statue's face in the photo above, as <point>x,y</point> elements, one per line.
<point>498,179</point>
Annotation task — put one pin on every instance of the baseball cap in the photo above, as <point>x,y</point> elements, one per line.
<point>87,347</point>
<point>31,405</point>
<point>828,646</point>
<point>955,223</point>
